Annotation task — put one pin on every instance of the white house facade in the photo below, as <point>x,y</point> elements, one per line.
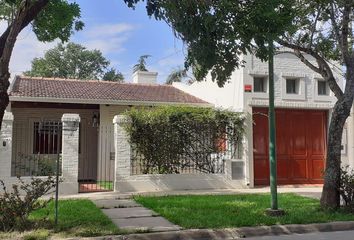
<point>303,104</point>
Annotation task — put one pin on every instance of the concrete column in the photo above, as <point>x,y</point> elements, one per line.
<point>122,150</point>
<point>6,145</point>
<point>70,153</point>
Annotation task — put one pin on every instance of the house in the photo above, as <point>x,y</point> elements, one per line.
<point>303,104</point>
<point>41,108</point>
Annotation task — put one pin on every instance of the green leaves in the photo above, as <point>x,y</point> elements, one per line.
<point>216,32</point>
<point>141,64</point>
<point>113,75</point>
<point>173,139</point>
<point>70,61</point>
<point>57,20</point>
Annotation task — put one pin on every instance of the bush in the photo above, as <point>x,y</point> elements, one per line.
<point>346,188</point>
<point>15,208</point>
<point>170,139</point>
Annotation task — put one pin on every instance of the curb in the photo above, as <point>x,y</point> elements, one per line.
<point>234,233</point>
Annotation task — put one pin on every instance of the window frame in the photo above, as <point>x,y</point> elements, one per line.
<point>45,140</point>
<point>263,81</point>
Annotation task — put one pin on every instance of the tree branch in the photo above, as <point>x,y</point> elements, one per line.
<point>29,15</point>
<point>345,30</point>
<point>336,27</point>
<point>323,66</point>
<point>314,26</point>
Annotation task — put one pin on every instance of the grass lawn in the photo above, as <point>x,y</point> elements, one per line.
<point>106,184</point>
<point>76,218</point>
<point>223,211</point>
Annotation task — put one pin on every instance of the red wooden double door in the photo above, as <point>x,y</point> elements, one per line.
<point>301,146</point>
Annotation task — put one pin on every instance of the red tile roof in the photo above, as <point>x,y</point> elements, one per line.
<point>100,91</point>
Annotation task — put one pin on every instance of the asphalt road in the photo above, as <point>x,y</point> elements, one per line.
<point>344,235</point>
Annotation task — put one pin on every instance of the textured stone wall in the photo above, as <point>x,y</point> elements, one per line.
<point>70,153</point>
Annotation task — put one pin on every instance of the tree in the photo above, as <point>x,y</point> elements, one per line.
<point>178,75</point>
<point>141,64</point>
<point>113,75</point>
<point>217,32</point>
<point>69,61</point>
<point>49,19</point>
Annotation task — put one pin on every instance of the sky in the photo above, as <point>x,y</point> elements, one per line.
<point>120,33</point>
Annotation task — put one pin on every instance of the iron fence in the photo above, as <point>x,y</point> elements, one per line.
<point>37,149</point>
<point>197,148</point>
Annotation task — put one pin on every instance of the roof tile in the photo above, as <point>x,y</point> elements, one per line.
<point>99,90</point>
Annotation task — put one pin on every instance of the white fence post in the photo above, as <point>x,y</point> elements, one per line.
<point>70,153</point>
<point>122,150</point>
<point>6,145</point>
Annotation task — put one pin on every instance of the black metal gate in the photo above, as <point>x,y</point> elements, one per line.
<point>96,164</point>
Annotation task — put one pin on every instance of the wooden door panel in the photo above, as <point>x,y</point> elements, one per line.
<point>317,168</point>
<point>298,133</point>
<point>301,146</point>
<point>317,133</point>
<point>282,168</point>
<point>299,167</point>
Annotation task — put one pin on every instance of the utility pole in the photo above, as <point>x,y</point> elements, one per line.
<point>273,211</point>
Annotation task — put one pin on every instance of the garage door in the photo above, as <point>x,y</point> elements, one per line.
<point>301,146</point>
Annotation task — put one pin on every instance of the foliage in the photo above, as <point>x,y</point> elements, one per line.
<point>113,75</point>
<point>34,165</point>
<point>141,64</point>
<point>346,187</point>
<point>217,32</point>
<point>170,139</point>
<point>238,210</point>
<point>15,209</point>
<point>69,61</point>
<point>177,75</point>
<point>58,19</point>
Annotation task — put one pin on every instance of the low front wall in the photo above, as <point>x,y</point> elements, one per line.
<point>168,182</point>
<point>65,187</point>
<point>126,182</point>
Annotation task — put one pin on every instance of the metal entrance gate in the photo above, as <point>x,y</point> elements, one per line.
<point>95,168</point>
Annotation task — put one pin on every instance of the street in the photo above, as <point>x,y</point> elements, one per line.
<point>343,235</point>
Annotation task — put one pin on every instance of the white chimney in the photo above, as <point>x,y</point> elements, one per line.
<point>145,77</point>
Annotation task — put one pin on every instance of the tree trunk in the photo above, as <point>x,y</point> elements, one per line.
<point>330,195</point>
<point>4,98</point>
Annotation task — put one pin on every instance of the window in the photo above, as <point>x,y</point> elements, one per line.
<point>47,138</point>
<point>292,86</point>
<point>259,84</point>
<point>322,88</point>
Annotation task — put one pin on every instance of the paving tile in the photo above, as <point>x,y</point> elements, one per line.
<point>150,223</point>
<point>134,212</point>
<point>112,203</point>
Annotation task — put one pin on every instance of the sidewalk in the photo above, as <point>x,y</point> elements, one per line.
<point>131,216</point>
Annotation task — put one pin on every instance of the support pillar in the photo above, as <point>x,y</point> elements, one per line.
<point>122,150</point>
<point>6,145</point>
<point>70,153</point>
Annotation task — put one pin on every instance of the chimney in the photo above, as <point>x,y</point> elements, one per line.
<point>145,77</point>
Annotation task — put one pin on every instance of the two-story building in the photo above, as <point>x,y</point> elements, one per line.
<point>303,104</point>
